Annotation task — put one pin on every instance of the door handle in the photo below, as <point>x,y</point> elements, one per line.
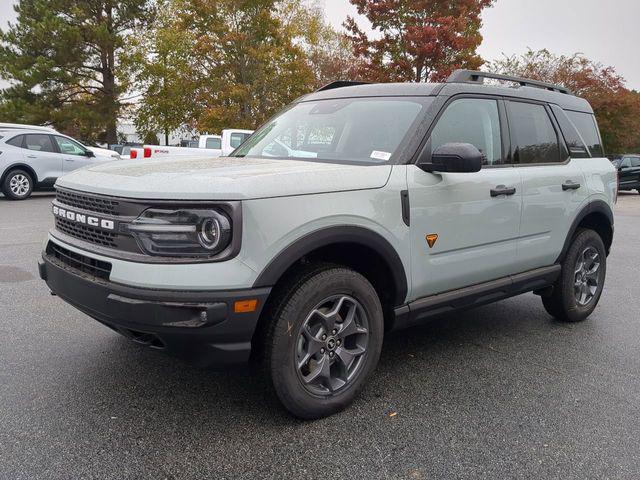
<point>502,190</point>
<point>570,185</point>
<point>32,156</point>
<point>69,160</point>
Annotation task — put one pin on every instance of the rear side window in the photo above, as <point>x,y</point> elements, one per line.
<point>585,123</point>
<point>635,161</point>
<point>16,141</point>
<point>471,120</point>
<point>213,143</point>
<point>577,148</point>
<point>39,143</point>
<point>533,138</point>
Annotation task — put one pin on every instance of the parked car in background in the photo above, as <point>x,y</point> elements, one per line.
<point>628,172</point>
<point>99,151</point>
<point>227,142</point>
<point>33,159</point>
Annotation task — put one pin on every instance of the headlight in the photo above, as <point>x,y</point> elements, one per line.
<point>182,233</point>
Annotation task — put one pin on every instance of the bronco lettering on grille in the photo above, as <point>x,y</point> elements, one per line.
<point>84,219</point>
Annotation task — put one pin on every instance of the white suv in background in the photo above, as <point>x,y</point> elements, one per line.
<point>35,158</point>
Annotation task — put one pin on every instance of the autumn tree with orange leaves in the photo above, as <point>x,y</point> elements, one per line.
<point>417,40</point>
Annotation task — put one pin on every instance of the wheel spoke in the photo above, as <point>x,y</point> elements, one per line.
<point>347,356</point>
<point>314,343</point>
<point>321,371</point>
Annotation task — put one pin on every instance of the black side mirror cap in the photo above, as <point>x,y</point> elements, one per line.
<point>89,154</point>
<point>454,157</point>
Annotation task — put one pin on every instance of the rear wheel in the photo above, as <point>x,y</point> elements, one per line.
<point>577,292</point>
<point>17,185</point>
<point>324,342</point>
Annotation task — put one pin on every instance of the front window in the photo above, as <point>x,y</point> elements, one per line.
<point>352,130</point>
<point>69,147</point>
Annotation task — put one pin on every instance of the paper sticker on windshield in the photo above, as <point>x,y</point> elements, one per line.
<point>380,155</point>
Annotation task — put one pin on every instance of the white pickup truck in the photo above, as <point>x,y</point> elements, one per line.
<point>208,146</point>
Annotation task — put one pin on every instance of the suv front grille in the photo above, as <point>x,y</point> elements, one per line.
<point>78,262</point>
<point>86,202</point>
<point>86,233</point>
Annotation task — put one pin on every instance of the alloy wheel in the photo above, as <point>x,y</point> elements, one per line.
<point>332,345</point>
<point>19,185</point>
<point>587,276</point>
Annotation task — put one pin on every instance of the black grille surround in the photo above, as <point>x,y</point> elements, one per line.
<point>78,263</point>
<point>88,202</point>
<point>119,243</point>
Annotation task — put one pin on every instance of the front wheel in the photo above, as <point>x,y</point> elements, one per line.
<point>577,292</point>
<point>17,185</point>
<point>324,342</point>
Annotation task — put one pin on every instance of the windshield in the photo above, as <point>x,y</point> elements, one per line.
<point>354,130</point>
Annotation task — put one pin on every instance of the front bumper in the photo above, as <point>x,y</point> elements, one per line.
<point>200,327</point>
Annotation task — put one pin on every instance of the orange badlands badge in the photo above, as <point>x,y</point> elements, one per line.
<point>432,238</point>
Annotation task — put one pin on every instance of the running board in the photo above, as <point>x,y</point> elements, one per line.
<point>415,312</point>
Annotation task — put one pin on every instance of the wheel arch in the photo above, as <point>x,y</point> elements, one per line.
<point>339,241</point>
<point>20,166</point>
<point>597,216</point>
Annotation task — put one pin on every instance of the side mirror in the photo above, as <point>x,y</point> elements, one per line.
<point>454,157</point>
<point>89,154</point>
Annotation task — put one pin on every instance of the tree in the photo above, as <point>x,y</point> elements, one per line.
<point>417,40</point>
<point>617,109</point>
<point>329,53</point>
<point>62,60</point>
<point>233,63</point>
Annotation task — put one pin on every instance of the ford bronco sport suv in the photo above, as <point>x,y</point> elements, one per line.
<point>359,209</point>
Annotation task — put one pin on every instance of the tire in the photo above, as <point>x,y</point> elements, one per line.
<point>17,185</point>
<point>573,300</point>
<point>314,375</point>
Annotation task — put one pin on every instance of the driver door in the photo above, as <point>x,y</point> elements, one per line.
<point>75,155</point>
<point>477,227</point>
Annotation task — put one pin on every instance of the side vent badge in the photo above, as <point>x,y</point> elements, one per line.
<point>432,238</point>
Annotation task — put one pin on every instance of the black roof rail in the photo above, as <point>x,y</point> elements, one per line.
<point>340,84</point>
<point>471,76</point>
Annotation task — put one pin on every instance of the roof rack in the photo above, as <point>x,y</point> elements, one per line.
<point>340,84</point>
<point>471,76</point>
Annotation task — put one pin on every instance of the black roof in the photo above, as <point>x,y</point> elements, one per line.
<point>541,91</point>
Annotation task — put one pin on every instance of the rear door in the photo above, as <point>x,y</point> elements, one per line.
<point>463,232</point>
<point>553,185</point>
<point>41,155</point>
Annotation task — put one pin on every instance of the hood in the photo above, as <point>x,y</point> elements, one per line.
<point>224,178</point>
<point>103,152</point>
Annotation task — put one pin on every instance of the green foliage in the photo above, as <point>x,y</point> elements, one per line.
<point>62,60</point>
<point>417,40</point>
<point>218,64</point>
<point>617,109</point>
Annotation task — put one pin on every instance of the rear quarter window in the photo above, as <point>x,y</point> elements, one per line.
<point>586,125</point>
<point>16,141</point>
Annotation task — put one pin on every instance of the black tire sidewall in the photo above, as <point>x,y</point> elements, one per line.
<point>7,190</point>
<point>572,310</point>
<point>306,296</point>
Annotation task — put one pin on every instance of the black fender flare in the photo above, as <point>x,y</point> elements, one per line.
<point>334,235</point>
<point>597,206</point>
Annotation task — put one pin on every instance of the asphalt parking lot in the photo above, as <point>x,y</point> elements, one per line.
<point>498,392</point>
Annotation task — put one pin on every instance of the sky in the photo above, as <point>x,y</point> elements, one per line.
<point>605,31</point>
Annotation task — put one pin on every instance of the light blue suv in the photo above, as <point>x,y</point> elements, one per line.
<point>360,209</point>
